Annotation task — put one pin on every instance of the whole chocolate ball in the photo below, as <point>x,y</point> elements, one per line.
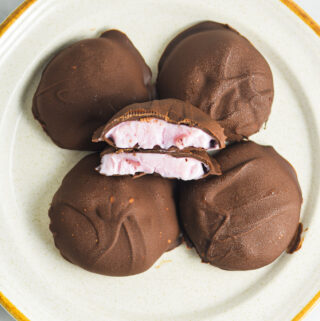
<point>115,226</point>
<point>216,69</point>
<point>84,85</point>
<point>245,218</point>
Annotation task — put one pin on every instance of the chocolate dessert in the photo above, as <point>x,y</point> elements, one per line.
<point>216,69</point>
<point>187,164</point>
<point>115,226</point>
<point>161,123</point>
<point>245,218</point>
<point>85,84</point>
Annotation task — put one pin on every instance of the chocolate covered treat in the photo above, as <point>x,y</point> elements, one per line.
<point>163,124</point>
<point>187,164</point>
<point>115,226</point>
<point>245,218</point>
<point>85,84</point>
<point>216,69</point>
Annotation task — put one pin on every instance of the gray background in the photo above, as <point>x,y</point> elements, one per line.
<point>310,6</point>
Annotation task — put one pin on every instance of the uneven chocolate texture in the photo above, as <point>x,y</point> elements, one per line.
<point>216,69</point>
<point>115,226</point>
<point>170,110</point>
<point>296,243</point>
<point>201,155</point>
<point>84,85</point>
<point>245,218</point>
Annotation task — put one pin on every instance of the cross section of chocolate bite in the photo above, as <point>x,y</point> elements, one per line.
<point>161,123</point>
<point>187,164</point>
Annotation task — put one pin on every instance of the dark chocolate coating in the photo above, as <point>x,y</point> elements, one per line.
<point>198,154</point>
<point>216,69</point>
<point>115,226</point>
<point>85,84</point>
<point>170,110</point>
<point>245,218</point>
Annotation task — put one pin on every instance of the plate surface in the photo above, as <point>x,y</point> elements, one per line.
<point>43,285</point>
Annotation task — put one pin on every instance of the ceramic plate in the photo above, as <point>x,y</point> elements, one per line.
<point>33,275</point>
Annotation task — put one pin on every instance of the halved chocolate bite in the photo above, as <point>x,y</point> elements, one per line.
<point>245,218</point>
<point>85,84</point>
<point>216,69</point>
<point>184,165</point>
<point>161,123</point>
<point>116,226</point>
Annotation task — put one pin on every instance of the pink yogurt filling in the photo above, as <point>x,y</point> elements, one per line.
<point>185,168</point>
<point>148,134</point>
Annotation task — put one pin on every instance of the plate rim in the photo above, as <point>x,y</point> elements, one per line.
<point>15,15</point>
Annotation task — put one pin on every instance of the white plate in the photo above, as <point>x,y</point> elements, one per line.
<point>32,273</point>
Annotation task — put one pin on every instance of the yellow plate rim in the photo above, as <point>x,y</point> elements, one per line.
<point>6,24</point>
